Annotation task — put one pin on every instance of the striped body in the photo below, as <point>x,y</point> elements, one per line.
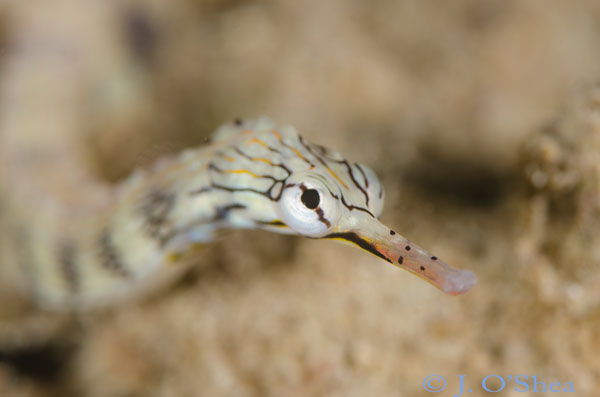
<point>78,242</point>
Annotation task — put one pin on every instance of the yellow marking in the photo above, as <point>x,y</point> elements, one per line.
<point>336,177</point>
<point>277,223</point>
<point>173,258</point>
<point>241,172</point>
<point>196,247</point>
<point>300,154</point>
<point>343,240</point>
<point>230,159</point>
<point>263,160</point>
<point>256,140</point>
<point>276,133</point>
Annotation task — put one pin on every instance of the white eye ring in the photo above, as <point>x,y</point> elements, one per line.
<point>308,208</point>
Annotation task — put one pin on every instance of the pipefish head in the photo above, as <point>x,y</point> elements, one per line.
<point>312,191</point>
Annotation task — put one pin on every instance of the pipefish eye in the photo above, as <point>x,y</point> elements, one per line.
<point>311,198</point>
<point>308,208</point>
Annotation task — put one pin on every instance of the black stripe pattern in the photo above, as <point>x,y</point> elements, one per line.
<point>362,243</point>
<point>110,259</point>
<point>155,208</point>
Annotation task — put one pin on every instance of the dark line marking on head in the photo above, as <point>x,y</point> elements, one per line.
<point>407,248</point>
<point>109,256</point>
<point>250,190</point>
<point>322,218</point>
<point>363,174</point>
<point>263,144</point>
<point>353,207</point>
<point>323,162</point>
<point>233,189</point>
<point>275,222</point>
<point>273,149</point>
<point>400,260</point>
<point>422,268</point>
<point>296,151</point>
<point>268,193</point>
<point>272,193</point>
<point>285,168</point>
<point>223,212</point>
<point>247,156</point>
<point>351,173</point>
<point>66,255</point>
<point>213,167</point>
<point>324,151</point>
<point>307,147</point>
<point>434,258</point>
<point>241,153</point>
<point>362,243</point>
<point>392,232</point>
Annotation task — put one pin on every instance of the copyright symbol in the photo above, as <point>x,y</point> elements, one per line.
<point>434,383</point>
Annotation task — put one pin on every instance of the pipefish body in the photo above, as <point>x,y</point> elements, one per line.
<point>78,242</point>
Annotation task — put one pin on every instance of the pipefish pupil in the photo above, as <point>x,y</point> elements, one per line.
<point>310,198</point>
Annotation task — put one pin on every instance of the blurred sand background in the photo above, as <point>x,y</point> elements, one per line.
<point>480,117</point>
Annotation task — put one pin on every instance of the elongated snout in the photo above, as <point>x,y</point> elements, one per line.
<point>373,236</point>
